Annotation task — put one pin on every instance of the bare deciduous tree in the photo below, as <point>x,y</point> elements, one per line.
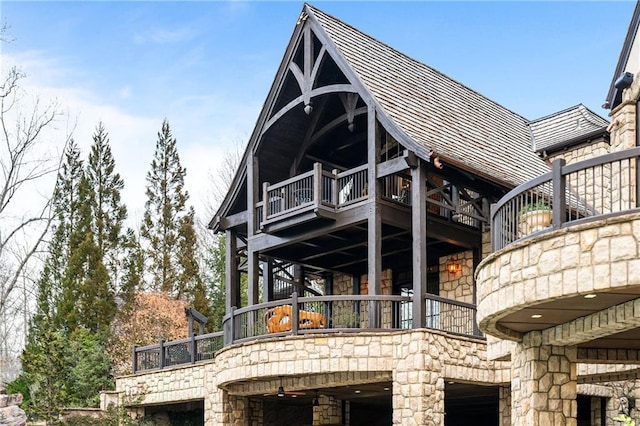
<point>28,165</point>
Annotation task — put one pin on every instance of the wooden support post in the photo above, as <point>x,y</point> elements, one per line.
<point>374,229</point>
<point>194,347</point>
<point>161,358</point>
<point>252,289</point>
<point>419,247</point>
<point>295,313</point>
<point>267,280</point>
<point>317,187</point>
<point>232,277</point>
<point>559,202</point>
<point>134,358</point>
<point>334,188</point>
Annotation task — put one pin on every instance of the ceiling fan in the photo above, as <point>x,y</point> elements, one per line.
<point>281,392</point>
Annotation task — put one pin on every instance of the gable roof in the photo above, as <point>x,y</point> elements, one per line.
<point>563,128</point>
<point>436,112</point>
<point>432,113</point>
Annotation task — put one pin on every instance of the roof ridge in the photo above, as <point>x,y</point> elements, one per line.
<point>555,114</point>
<point>588,115</point>
<point>315,10</point>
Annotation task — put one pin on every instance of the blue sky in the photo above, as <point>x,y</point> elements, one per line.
<point>208,65</point>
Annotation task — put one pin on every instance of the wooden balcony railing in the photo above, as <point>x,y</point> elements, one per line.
<point>309,315</point>
<point>317,187</point>
<point>588,190</point>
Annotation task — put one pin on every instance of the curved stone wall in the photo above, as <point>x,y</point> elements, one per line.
<point>417,362</point>
<point>580,259</point>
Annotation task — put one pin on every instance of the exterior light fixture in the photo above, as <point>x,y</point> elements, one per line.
<point>315,402</point>
<point>358,391</point>
<point>590,296</point>
<point>453,267</point>
<point>536,316</point>
<point>280,389</point>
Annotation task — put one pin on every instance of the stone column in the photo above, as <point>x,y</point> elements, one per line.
<point>226,410</point>
<point>504,406</point>
<point>418,399</point>
<point>328,412</point>
<point>256,412</point>
<point>543,383</point>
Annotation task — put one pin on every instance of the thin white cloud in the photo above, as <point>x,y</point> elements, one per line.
<point>164,36</point>
<point>204,125</point>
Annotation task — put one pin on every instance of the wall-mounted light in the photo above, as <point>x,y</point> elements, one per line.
<point>453,267</point>
<point>315,402</point>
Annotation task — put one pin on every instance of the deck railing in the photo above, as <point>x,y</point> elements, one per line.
<point>333,190</point>
<point>587,190</point>
<point>309,315</point>
<point>177,352</point>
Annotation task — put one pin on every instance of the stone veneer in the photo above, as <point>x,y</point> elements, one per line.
<point>544,383</point>
<point>580,259</point>
<point>417,362</point>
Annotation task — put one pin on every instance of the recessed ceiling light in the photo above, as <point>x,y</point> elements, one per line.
<point>294,396</point>
<point>536,316</point>
<point>451,383</point>
<point>590,296</point>
<point>386,389</point>
<point>358,391</point>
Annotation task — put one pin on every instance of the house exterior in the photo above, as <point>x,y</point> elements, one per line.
<point>397,271</point>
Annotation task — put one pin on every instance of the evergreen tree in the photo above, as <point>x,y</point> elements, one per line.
<point>108,211</point>
<point>66,204</point>
<point>214,261</point>
<point>44,369</point>
<point>167,228</point>
<point>133,271</point>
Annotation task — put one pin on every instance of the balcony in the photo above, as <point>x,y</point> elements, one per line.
<point>309,316</point>
<point>321,194</point>
<point>576,276</point>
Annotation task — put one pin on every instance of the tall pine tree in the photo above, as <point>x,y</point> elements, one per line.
<point>109,213</point>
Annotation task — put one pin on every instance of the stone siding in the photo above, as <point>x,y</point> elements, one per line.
<point>576,260</point>
<point>416,362</point>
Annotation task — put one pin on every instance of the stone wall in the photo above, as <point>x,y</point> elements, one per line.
<point>460,285</point>
<point>415,361</point>
<point>576,260</point>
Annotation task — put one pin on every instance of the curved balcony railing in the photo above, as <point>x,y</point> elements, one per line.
<point>588,190</point>
<point>308,315</point>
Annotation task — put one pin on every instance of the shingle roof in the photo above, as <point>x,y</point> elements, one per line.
<point>564,126</point>
<point>437,112</point>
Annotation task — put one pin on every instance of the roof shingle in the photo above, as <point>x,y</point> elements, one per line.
<point>438,113</point>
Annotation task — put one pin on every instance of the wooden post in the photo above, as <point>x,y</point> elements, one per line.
<point>252,290</point>
<point>559,202</point>
<point>194,347</point>
<point>334,188</point>
<point>374,230</point>
<point>161,357</point>
<point>295,313</point>
<point>229,327</point>
<point>267,280</point>
<point>419,247</point>
<point>317,188</point>
<point>231,276</point>
<point>266,205</point>
<point>134,358</point>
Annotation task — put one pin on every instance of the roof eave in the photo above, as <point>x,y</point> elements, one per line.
<point>586,138</point>
<point>624,54</point>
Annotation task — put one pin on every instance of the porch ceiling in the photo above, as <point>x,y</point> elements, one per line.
<point>562,311</point>
<point>346,249</point>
